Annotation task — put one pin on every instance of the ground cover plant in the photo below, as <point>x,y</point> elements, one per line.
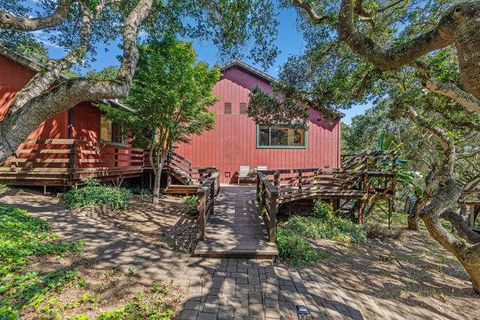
<point>42,277</point>
<point>93,193</point>
<point>22,237</point>
<point>293,237</point>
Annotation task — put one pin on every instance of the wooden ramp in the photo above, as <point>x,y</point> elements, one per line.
<point>236,229</point>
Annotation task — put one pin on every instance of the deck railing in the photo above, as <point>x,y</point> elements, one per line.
<point>267,199</point>
<point>73,159</point>
<point>363,176</point>
<point>206,194</point>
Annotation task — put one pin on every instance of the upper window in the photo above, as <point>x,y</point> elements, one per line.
<point>227,108</point>
<point>281,136</point>
<point>243,108</point>
<point>111,132</point>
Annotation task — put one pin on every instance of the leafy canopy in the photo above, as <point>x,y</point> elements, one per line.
<point>170,96</point>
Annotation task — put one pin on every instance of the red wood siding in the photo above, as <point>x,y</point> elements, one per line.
<point>13,77</point>
<point>233,141</point>
<point>84,117</point>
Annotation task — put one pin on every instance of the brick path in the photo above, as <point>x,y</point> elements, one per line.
<point>219,288</point>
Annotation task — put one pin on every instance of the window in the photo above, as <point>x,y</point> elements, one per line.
<point>227,108</point>
<point>243,108</point>
<point>281,136</point>
<point>111,132</point>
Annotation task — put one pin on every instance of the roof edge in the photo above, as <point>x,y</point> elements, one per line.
<point>35,66</point>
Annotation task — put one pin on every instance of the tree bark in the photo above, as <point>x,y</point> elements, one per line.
<point>40,102</point>
<point>160,160</point>
<point>459,26</point>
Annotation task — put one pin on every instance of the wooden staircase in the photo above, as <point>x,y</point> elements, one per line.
<point>183,177</point>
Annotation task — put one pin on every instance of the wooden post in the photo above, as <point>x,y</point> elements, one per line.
<point>360,211</point>
<point>300,181</point>
<point>73,158</point>
<point>276,179</point>
<point>201,214</point>
<point>212,194</point>
<point>273,217</point>
<point>391,209</point>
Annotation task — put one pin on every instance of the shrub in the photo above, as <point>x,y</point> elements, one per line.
<point>295,249</point>
<point>95,193</point>
<point>335,228</point>
<point>322,211</point>
<point>191,202</point>
<point>142,192</point>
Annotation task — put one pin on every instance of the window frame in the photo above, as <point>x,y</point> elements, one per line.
<point>229,105</point>
<point>112,133</point>
<point>259,146</point>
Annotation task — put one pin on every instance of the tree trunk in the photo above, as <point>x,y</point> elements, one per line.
<point>414,216</point>
<point>160,159</point>
<point>467,43</point>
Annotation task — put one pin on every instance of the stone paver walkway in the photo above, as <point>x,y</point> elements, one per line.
<point>236,229</point>
<point>218,288</point>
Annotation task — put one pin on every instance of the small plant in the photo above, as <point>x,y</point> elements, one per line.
<point>94,193</point>
<point>142,192</point>
<point>131,271</point>
<point>3,187</point>
<point>323,211</point>
<point>191,202</point>
<point>295,249</point>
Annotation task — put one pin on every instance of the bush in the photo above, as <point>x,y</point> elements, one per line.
<point>95,193</point>
<point>335,228</point>
<point>295,249</point>
<point>322,211</point>
<point>292,242</point>
<point>191,202</point>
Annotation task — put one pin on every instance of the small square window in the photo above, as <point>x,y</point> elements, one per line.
<point>243,108</point>
<point>227,108</point>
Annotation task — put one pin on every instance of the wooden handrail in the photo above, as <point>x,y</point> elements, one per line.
<point>206,194</point>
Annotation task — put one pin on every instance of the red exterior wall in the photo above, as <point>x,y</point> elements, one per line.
<point>85,117</point>
<point>233,141</point>
<point>13,77</point>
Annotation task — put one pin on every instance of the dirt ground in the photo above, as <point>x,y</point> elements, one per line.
<point>412,270</point>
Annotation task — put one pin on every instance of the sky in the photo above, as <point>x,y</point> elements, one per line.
<point>289,41</point>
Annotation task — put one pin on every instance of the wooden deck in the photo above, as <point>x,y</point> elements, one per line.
<point>236,229</point>
<point>66,162</point>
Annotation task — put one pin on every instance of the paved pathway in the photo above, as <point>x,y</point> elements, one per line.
<point>236,229</point>
<point>219,288</point>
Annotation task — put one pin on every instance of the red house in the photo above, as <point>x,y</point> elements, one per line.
<point>237,141</point>
<point>70,146</point>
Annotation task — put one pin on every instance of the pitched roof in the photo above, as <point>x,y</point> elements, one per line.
<point>35,66</point>
<point>269,78</point>
<point>249,68</point>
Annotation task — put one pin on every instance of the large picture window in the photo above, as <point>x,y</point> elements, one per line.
<point>281,136</point>
<point>111,132</point>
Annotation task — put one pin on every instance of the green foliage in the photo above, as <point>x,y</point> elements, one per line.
<point>322,211</point>
<point>334,228</point>
<point>139,308</point>
<point>94,193</point>
<point>22,237</point>
<point>295,249</point>
<point>3,187</point>
<point>142,192</point>
<point>191,202</point>
<point>292,238</point>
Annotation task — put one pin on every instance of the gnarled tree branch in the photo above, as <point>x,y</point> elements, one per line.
<point>10,21</point>
<point>449,90</point>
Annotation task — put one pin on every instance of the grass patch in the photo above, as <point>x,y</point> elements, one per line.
<point>292,237</point>
<point>94,193</point>
<point>22,237</point>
